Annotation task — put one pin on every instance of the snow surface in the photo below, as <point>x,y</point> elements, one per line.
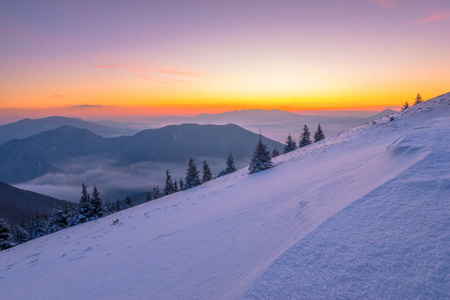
<point>364,214</point>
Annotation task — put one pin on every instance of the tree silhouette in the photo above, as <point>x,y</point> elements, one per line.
<point>319,135</point>
<point>192,178</point>
<point>261,159</point>
<point>289,145</point>
<point>418,99</point>
<point>305,139</point>
<point>207,175</point>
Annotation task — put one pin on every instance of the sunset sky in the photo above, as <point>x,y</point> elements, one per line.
<point>168,57</point>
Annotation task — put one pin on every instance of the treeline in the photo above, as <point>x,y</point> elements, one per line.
<point>305,139</point>
<point>192,179</point>
<point>91,206</point>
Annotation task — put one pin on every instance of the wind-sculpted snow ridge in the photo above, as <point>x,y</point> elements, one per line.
<point>363,214</point>
<point>392,243</point>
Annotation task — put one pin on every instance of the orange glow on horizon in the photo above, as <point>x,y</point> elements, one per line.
<point>228,57</point>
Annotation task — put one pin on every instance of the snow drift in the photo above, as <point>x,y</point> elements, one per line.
<point>362,214</point>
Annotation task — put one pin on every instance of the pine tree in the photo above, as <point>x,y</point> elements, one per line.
<point>275,153</point>
<point>175,186</point>
<point>405,106</point>
<point>5,235</point>
<point>207,175</point>
<point>182,185</point>
<point>305,139</point>
<point>156,192</point>
<point>97,209</point>
<point>84,209</point>
<point>71,213</point>
<point>261,158</point>
<point>58,220</point>
<point>418,99</point>
<point>231,167</point>
<point>319,135</point>
<point>19,235</point>
<point>108,208</point>
<point>169,187</point>
<point>36,226</point>
<point>148,197</point>
<point>128,201</point>
<point>192,178</point>
<point>289,145</point>
<point>117,207</point>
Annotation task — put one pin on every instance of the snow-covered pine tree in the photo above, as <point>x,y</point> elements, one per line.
<point>84,207</point>
<point>58,221</point>
<point>261,159</point>
<point>289,145</point>
<point>19,235</point>
<point>405,106</point>
<point>275,152</point>
<point>5,235</point>
<point>231,167</point>
<point>128,201</point>
<point>319,135</point>
<point>192,178</point>
<point>71,214</point>
<point>418,99</point>
<point>97,210</point>
<point>168,187</point>
<point>207,175</point>
<point>36,226</point>
<point>305,139</point>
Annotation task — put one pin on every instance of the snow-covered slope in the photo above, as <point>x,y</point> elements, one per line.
<point>362,214</point>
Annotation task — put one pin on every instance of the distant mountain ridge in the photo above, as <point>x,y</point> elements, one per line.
<point>28,127</point>
<point>17,204</point>
<point>252,119</point>
<point>29,158</point>
<point>275,124</point>
<point>275,113</point>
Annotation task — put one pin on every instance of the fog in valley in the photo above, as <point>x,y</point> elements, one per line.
<point>113,181</point>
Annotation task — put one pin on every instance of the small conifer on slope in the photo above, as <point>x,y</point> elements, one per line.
<point>156,192</point>
<point>20,235</point>
<point>261,159</point>
<point>97,209</point>
<point>319,135</point>
<point>418,99</point>
<point>207,175</point>
<point>128,202</point>
<point>275,153</point>
<point>181,187</point>
<point>84,205</point>
<point>289,145</point>
<point>305,139</point>
<point>231,167</point>
<point>5,235</point>
<point>405,106</point>
<point>192,175</point>
<point>60,219</point>
<point>169,187</point>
